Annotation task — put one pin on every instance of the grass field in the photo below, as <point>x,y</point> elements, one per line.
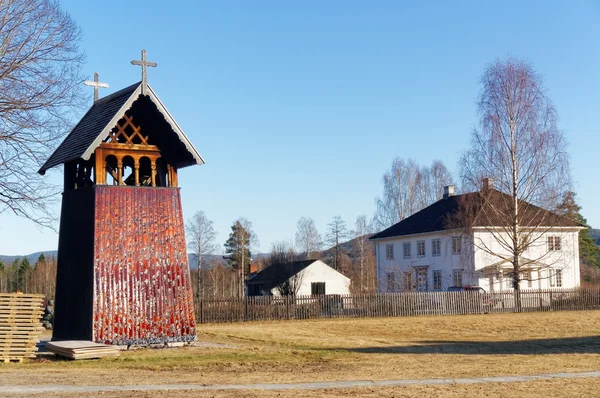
<point>347,349</point>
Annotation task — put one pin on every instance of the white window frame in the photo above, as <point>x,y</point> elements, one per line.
<point>556,277</point>
<point>456,275</point>
<point>437,279</point>
<point>456,245</point>
<point>408,281</point>
<point>404,246</point>
<point>554,243</point>
<point>391,282</point>
<point>436,244</point>
<point>389,251</point>
<point>420,245</point>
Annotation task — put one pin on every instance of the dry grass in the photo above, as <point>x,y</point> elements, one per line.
<point>533,389</point>
<point>346,349</point>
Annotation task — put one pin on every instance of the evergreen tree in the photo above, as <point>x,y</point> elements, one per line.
<point>238,252</point>
<point>41,259</point>
<point>22,274</point>
<point>589,252</point>
<point>2,277</point>
<point>13,282</point>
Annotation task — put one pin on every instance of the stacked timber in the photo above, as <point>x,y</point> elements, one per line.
<point>80,349</point>
<point>20,325</point>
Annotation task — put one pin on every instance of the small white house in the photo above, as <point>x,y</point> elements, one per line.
<point>429,252</point>
<point>300,278</point>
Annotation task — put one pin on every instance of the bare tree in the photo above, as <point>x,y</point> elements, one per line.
<point>282,256</point>
<point>282,252</point>
<point>40,75</point>
<point>433,180</point>
<point>308,239</point>
<point>201,241</point>
<point>336,234</point>
<point>363,247</point>
<point>408,188</point>
<point>520,148</point>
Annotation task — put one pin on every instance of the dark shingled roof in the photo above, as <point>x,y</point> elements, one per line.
<point>89,127</point>
<point>278,273</point>
<point>464,210</point>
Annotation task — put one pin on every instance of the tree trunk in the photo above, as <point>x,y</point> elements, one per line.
<point>515,219</point>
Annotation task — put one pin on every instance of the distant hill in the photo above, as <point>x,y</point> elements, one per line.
<point>34,256</point>
<point>595,234</point>
<point>31,257</point>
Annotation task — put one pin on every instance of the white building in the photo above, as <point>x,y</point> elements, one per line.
<point>302,278</point>
<point>433,249</point>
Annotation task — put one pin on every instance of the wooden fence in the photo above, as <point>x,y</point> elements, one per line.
<point>393,304</point>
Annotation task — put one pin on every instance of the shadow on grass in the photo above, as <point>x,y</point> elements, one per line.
<point>567,345</point>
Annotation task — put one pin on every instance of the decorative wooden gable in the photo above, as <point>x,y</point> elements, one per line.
<point>137,143</point>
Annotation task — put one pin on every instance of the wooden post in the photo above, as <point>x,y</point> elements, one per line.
<point>119,172</point>
<point>136,165</point>
<point>201,311</point>
<point>153,165</point>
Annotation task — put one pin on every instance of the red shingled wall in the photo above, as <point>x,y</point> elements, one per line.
<point>142,287</point>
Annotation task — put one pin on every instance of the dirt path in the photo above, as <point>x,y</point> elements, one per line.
<point>21,390</point>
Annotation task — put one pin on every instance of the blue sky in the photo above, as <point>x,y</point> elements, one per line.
<point>299,107</point>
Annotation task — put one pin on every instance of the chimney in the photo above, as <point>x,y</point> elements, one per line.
<point>448,191</point>
<point>487,184</point>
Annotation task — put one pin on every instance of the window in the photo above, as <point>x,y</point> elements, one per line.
<point>391,282</point>
<point>422,280</point>
<point>389,251</point>
<point>457,279</point>
<point>554,243</point>
<point>317,288</point>
<point>525,242</point>
<point>436,248</point>
<point>437,279</point>
<point>421,248</point>
<point>555,277</point>
<point>456,245</point>
<point>406,249</point>
<point>408,282</point>
<point>527,276</point>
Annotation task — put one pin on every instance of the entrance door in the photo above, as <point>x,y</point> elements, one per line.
<point>421,273</point>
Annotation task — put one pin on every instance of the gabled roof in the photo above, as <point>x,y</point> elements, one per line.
<point>276,274</point>
<point>104,114</point>
<point>461,211</point>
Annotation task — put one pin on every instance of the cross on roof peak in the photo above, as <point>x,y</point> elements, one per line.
<point>96,84</point>
<point>144,63</point>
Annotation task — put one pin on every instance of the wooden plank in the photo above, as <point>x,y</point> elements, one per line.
<point>78,349</point>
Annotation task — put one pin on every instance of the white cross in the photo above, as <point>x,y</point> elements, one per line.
<point>144,63</point>
<point>96,84</point>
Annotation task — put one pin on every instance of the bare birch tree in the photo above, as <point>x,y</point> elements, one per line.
<point>408,188</point>
<point>337,233</point>
<point>283,255</point>
<point>201,241</point>
<point>40,77</point>
<point>519,147</point>
<point>308,239</point>
<point>363,247</point>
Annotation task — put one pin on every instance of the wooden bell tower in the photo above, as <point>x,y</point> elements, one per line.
<point>123,274</point>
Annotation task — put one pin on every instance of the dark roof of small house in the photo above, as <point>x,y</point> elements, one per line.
<point>276,274</point>
<point>85,134</point>
<point>91,124</point>
<point>460,211</point>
